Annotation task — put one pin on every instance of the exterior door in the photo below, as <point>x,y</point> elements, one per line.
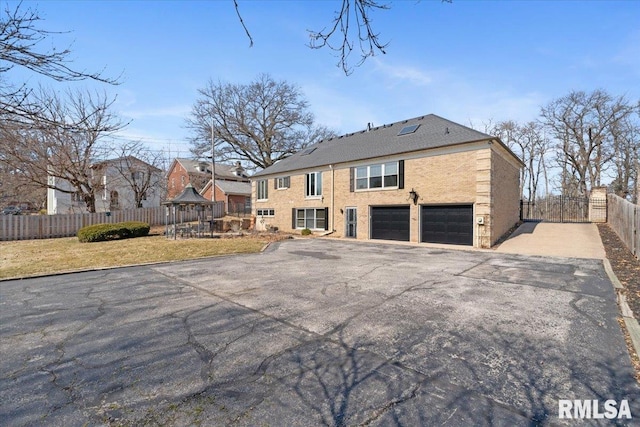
<point>351,221</point>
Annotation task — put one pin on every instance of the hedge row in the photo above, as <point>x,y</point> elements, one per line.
<point>120,230</point>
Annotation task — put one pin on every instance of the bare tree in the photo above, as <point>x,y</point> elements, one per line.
<point>259,123</point>
<point>536,145</point>
<point>508,131</point>
<point>15,189</point>
<point>582,123</point>
<point>141,170</point>
<point>24,44</point>
<point>529,143</point>
<point>21,45</point>
<point>356,13</point>
<point>352,28</point>
<point>60,157</point>
<point>626,142</point>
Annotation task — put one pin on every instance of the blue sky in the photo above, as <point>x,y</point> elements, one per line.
<point>469,61</point>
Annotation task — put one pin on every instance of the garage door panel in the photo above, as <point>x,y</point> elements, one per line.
<point>390,223</point>
<point>451,224</point>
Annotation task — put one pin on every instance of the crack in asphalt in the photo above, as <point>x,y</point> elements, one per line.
<point>338,413</point>
<point>336,369</point>
<point>574,305</point>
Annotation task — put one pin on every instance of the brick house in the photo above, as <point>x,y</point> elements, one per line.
<point>232,183</point>
<point>235,194</point>
<point>426,179</point>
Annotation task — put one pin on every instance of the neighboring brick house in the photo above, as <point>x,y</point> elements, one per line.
<point>232,183</point>
<point>425,179</point>
<point>235,194</point>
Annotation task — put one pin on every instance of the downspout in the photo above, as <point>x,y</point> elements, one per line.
<point>333,192</point>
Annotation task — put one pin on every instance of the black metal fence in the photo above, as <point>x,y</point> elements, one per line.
<point>239,209</point>
<point>561,209</point>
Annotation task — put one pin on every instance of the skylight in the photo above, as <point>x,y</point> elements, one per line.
<point>408,129</point>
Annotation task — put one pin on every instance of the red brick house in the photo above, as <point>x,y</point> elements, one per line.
<point>232,183</point>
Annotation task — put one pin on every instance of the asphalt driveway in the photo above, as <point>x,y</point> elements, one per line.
<point>314,332</point>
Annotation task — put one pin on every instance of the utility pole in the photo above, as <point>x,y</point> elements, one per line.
<point>213,165</point>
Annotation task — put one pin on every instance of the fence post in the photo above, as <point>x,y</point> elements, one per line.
<point>521,207</point>
<point>634,234</point>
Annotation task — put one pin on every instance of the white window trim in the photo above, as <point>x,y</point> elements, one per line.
<point>282,179</point>
<point>271,212</point>
<point>315,219</point>
<point>382,165</point>
<point>266,189</point>
<point>318,175</point>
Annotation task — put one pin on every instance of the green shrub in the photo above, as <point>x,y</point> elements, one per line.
<point>305,232</point>
<point>136,228</point>
<point>121,230</point>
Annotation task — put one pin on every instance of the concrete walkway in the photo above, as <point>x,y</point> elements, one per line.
<point>553,239</point>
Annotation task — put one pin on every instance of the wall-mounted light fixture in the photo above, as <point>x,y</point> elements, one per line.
<point>413,196</point>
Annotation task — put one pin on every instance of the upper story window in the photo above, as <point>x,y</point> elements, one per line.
<point>384,175</point>
<point>262,190</point>
<point>137,176</point>
<point>313,186</point>
<point>283,182</point>
<point>77,197</point>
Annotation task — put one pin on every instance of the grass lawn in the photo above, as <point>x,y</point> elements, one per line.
<point>26,258</point>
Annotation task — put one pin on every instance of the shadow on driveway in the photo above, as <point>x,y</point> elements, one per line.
<point>314,332</point>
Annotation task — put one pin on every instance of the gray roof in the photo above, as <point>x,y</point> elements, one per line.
<point>223,170</point>
<point>234,187</point>
<point>188,196</point>
<point>433,132</point>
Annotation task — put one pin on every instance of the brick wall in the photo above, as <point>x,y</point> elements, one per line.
<point>220,195</point>
<point>446,178</point>
<point>505,193</point>
<point>177,179</point>
<point>481,174</point>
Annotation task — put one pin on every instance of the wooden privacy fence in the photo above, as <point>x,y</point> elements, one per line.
<point>624,219</point>
<point>26,227</point>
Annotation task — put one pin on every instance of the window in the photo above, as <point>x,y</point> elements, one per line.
<point>137,176</point>
<point>262,189</point>
<point>313,219</point>
<point>114,203</point>
<point>266,212</point>
<point>283,182</point>
<point>408,129</point>
<point>377,176</point>
<point>313,187</point>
